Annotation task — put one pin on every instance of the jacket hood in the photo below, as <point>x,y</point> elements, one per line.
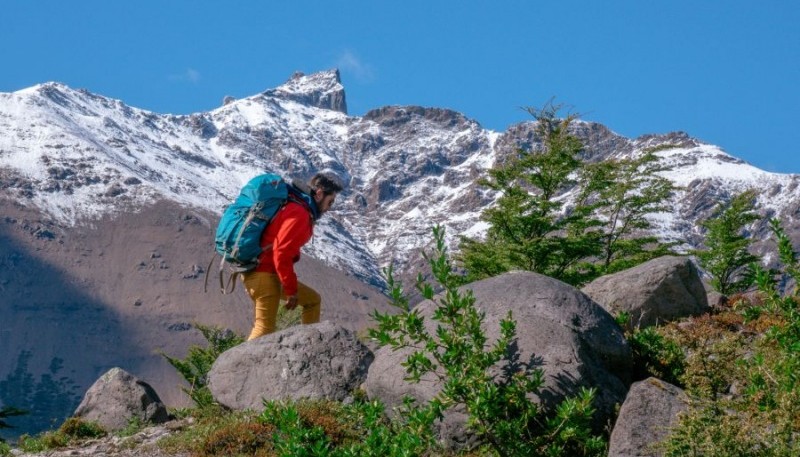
<point>302,193</point>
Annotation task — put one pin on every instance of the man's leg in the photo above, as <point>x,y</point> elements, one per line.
<point>265,290</point>
<point>310,300</point>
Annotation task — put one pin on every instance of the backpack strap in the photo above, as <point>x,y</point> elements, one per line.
<point>205,281</point>
<point>234,274</point>
<point>231,279</point>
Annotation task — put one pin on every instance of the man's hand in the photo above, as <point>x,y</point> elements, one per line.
<point>291,302</point>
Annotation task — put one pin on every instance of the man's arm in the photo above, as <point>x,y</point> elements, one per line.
<point>294,232</point>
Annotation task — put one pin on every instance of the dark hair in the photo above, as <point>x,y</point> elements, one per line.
<point>326,183</point>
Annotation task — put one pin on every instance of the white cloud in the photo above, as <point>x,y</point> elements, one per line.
<point>190,76</point>
<point>349,62</point>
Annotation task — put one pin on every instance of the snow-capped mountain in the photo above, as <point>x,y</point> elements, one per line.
<point>108,212</point>
<point>79,156</point>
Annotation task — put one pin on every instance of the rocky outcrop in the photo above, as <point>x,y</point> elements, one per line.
<point>117,398</point>
<point>650,409</point>
<point>657,291</point>
<point>559,330</point>
<point>321,90</point>
<point>309,361</point>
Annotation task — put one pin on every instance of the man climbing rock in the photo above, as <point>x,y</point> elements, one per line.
<point>274,277</point>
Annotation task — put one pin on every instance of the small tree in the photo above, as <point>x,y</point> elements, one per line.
<point>727,258</point>
<point>627,191</point>
<point>528,227</point>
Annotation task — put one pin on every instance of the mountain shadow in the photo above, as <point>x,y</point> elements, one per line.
<point>56,339</point>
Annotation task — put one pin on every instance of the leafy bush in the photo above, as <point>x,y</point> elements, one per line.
<point>656,355</point>
<point>748,397</point>
<point>218,433</point>
<point>195,367</point>
<point>73,430</point>
<point>499,410</point>
<point>76,428</point>
<point>250,438</point>
<point>326,428</point>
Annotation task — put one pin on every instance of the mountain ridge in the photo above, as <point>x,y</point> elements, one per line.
<point>109,210</point>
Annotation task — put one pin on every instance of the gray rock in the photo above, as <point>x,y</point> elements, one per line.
<point>559,329</point>
<point>661,290</point>
<point>118,397</point>
<point>310,361</point>
<point>651,408</point>
<point>322,90</point>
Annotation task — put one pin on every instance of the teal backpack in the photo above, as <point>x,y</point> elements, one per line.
<point>238,237</point>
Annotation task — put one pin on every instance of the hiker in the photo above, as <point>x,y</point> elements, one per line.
<point>274,277</point>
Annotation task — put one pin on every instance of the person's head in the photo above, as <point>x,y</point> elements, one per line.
<point>324,188</point>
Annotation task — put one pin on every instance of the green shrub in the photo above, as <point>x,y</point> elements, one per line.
<point>217,432</point>
<point>195,367</point>
<point>761,416</point>
<point>327,428</point>
<point>73,430</point>
<point>655,355</point>
<point>459,354</point>
<point>76,428</point>
<point>250,438</point>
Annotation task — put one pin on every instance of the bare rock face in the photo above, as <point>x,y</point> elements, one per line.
<point>117,398</point>
<point>322,90</point>
<point>660,290</point>
<point>650,409</point>
<point>559,329</point>
<point>309,361</point>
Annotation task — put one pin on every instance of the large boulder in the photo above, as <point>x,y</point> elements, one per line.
<point>117,398</point>
<point>310,361</point>
<point>650,410</point>
<point>661,290</point>
<point>559,329</point>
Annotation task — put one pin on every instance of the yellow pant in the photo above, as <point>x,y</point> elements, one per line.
<point>266,291</point>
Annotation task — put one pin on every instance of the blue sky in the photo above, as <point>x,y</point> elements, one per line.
<point>727,72</point>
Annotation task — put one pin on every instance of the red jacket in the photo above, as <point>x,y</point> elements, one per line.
<point>290,229</point>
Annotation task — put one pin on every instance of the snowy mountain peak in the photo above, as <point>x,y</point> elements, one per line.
<point>322,90</point>
<point>79,156</point>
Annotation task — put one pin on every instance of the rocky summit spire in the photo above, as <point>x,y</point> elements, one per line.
<point>323,90</point>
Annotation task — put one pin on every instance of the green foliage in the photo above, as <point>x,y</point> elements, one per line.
<point>195,367</point>
<point>77,428</point>
<point>726,257</point>
<point>656,355</point>
<point>762,418</point>
<point>221,433</point>
<point>603,231</point>
<point>73,430</point>
<point>459,354</point>
<point>786,334</point>
<point>528,228</point>
<point>625,192</point>
<point>135,425</point>
<point>293,436</point>
<point>288,317</point>
<point>708,430</point>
